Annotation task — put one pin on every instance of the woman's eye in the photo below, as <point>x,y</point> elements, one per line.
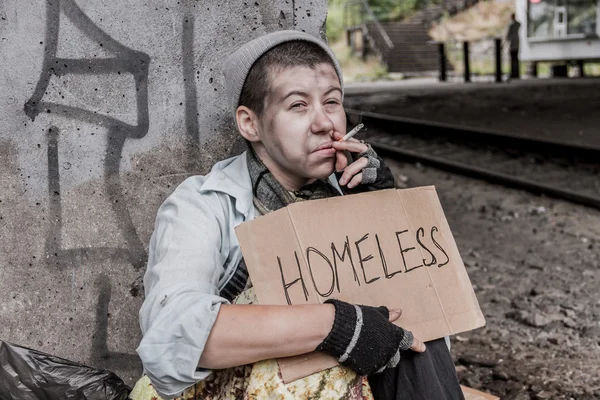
<point>296,105</point>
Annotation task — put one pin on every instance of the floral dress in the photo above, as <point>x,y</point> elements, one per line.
<point>262,381</point>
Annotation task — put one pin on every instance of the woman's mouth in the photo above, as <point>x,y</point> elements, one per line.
<point>326,149</point>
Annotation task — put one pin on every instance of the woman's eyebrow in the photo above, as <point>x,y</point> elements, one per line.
<point>331,89</point>
<point>304,94</point>
<point>294,92</point>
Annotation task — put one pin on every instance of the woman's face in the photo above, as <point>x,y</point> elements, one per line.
<point>302,110</point>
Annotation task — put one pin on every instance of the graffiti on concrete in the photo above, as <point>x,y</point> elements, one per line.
<point>121,60</point>
<point>125,60</point>
<point>101,355</point>
<point>189,79</point>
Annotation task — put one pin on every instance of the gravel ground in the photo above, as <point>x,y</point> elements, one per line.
<point>535,265</point>
<point>534,261</point>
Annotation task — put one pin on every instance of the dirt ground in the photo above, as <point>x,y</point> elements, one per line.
<point>535,265</point>
<point>534,261</point>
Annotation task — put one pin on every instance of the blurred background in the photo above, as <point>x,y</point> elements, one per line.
<point>503,118</point>
<point>361,32</point>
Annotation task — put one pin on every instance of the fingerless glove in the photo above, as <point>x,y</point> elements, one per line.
<point>363,339</point>
<point>376,175</point>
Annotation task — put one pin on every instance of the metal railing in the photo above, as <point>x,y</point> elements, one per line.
<point>487,61</point>
<point>358,13</point>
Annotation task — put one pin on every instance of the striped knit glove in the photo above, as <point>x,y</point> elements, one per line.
<point>363,339</point>
<point>376,175</point>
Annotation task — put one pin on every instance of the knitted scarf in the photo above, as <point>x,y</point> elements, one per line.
<point>269,195</point>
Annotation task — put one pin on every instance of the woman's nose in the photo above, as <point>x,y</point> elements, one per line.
<point>321,121</point>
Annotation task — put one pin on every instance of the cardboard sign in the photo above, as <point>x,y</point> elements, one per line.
<point>390,247</point>
<point>472,394</point>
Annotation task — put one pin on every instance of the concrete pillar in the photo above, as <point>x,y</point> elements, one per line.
<point>106,107</point>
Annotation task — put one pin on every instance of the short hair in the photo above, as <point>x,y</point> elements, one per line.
<point>297,53</point>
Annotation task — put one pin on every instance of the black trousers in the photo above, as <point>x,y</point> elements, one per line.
<point>419,376</point>
<point>514,64</point>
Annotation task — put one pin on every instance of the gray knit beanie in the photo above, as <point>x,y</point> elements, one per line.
<point>238,64</point>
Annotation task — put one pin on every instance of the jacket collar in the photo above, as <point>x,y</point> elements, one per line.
<point>231,177</point>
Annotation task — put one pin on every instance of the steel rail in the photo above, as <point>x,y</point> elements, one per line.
<point>490,136</point>
<point>387,123</point>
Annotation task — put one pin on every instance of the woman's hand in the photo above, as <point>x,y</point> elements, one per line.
<point>352,175</point>
<point>417,345</point>
<point>364,339</point>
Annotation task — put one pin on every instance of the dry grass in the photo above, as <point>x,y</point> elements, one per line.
<point>354,68</point>
<point>484,20</point>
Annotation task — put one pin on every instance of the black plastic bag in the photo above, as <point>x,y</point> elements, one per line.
<point>27,374</point>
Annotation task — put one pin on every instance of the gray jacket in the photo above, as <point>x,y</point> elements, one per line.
<point>193,253</point>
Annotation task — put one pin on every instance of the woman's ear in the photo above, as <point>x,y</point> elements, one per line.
<point>247,122</point>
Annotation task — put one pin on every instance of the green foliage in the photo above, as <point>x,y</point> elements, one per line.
<point>390,10</point>
<point>377,73</point>
<point>335,25</point>
<point>384,10</point>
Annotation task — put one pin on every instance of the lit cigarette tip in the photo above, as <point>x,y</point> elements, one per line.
<point>352,132</point>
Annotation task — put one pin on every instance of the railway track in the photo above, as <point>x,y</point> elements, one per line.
<point>560,170</point>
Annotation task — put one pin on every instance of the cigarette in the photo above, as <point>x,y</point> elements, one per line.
<point>352,133</point>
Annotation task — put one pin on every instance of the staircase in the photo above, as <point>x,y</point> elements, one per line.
<point>403,46</point>
<point>413,52</point>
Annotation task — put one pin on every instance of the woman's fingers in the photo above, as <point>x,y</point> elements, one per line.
<point>341,161</point>
<point>395,313</point>
<point>355,181</point>
<point>352,175</point>
<point>353,169</point>
<point>417,346</point>
<point>336,135</point>
<point>352,145</point>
